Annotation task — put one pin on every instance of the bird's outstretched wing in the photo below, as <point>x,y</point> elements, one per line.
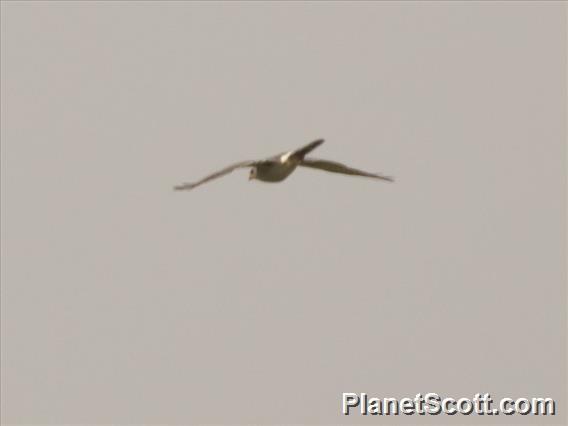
<point>223,172</point>
<point>334,167</point>
<point>297,154</point>
<point>300,153</point>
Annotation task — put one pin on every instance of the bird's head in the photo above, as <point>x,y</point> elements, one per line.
<point>252,173</point>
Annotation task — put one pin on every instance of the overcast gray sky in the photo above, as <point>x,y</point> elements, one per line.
<point>242,302</point>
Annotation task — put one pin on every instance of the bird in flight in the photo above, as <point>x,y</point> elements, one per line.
<point>279,167</point>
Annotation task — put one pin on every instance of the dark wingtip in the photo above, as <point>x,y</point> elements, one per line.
<point>183,187</point>
<point>383,177</point>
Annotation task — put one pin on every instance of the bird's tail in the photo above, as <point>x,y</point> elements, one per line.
<point>300,153</point>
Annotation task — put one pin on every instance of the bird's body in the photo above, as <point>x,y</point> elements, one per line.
<point>279,167</point>
<point>274,171</point>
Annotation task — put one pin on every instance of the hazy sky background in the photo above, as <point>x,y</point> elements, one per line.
<point>124,301</point>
